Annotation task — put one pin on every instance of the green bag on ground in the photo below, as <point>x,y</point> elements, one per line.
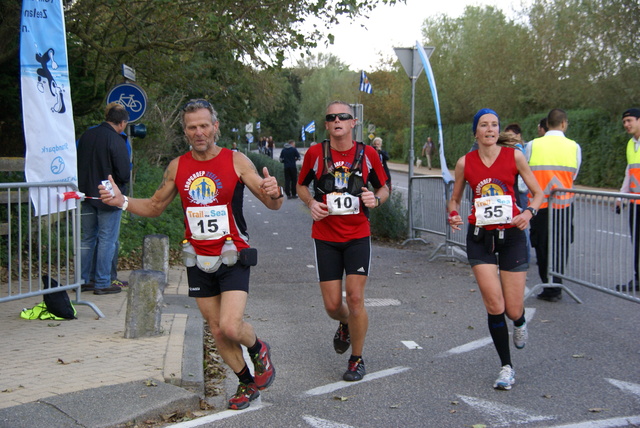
<point>39,312</point>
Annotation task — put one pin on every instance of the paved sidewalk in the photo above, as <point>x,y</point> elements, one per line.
<point>84,372</point>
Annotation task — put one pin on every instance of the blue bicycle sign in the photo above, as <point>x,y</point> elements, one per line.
<point>132,97</point>
<point>130,103</point>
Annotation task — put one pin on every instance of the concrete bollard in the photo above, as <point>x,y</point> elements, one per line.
<point>155,255</point>
<point>144,304</point>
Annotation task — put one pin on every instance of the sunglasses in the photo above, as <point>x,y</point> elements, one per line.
<point>197,103</point>
<point>342,116</point>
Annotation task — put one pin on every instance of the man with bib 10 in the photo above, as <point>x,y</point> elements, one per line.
<point>496,239</point>
<point>340,170</point>
<point>210,181</point>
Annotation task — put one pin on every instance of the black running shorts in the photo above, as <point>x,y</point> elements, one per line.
<point>203,284</point>
<point>333,259</point>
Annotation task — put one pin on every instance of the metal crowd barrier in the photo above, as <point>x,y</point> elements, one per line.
<point>32,246</point>
<point>429,196</point>
<point>597,250</point>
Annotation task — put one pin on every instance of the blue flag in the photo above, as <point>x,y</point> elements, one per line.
<point>311,127</point>
<point>365,86</point>
<point>446,175</point>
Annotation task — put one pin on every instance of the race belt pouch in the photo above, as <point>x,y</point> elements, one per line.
<point>248,257</point>
<point>478,234</point>
<point>208,264</point>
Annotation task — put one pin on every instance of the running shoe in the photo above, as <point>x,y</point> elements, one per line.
<point>245,394</point>
<point>341,340</point>
<point>520,336</point>
<point>264,371</point>
<point>506,378</point>
<point>355,371</point>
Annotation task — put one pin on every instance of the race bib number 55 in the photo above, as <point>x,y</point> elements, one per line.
<point>208,222</point>
<point>493,210</point>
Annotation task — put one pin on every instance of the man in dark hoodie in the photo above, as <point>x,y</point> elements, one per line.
<point>102,151</point>
<point>289,155</point>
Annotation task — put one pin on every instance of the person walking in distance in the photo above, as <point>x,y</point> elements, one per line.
<point>210,181</point>
<point>289,156</point>
<point>496,243</point>
<point>427,151</point>
<point>631,184</point>
<point>555,162</point>
<point>340,170</point>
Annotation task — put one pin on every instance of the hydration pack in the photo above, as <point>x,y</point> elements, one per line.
<point>327,181</point>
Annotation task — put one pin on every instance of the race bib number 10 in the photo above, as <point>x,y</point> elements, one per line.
<point>493,210</point>
<point>343,204</point>
<point>208,222</point>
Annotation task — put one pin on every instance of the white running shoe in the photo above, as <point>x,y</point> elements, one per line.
<point>520,336</point>
<point>506,378</point>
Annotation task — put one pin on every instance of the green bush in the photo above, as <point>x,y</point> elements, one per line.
<point>389,220</point>
<point>276,169</point>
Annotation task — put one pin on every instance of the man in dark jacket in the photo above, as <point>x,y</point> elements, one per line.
<point>289,155</point>
<point>102,151</point>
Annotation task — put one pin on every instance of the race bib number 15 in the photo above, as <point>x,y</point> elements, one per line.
<point>208,222</point>
<point>493,210</point>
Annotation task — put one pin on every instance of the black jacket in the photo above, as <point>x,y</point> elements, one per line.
<point>102,151</point>
<point>289,155</point>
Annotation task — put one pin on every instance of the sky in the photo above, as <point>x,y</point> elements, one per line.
<point>362,48</point>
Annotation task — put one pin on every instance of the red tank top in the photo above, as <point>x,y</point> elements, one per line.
<point>211,194</point>
<point>498,179</point>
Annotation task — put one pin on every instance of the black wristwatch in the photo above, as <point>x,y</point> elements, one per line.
<point>532,210</point>
<point>281,195</point>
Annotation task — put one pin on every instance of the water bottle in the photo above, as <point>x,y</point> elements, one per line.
<point>229,252</point>
<point>188,254</point>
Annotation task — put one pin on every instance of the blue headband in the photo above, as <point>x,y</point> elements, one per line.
<point>481,113</point>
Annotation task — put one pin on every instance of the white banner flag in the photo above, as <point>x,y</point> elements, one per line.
<point>46,99</point>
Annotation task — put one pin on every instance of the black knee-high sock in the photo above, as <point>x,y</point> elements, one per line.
<point>519,321</point>
<point>500,335</point>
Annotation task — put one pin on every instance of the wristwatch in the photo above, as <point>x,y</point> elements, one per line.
<point>281,194</point>
<point>125,204</point>
<point>532,210</point>
<point>377,201</point>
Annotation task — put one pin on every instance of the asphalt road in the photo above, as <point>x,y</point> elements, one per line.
<point>430,361</point>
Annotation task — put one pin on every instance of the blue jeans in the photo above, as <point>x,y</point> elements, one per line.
<point>100,231</point>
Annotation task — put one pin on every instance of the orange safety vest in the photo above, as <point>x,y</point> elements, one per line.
<point>554,162</point>
<point>633,160</point>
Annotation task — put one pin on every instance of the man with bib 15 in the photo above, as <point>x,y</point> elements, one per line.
<point>210,181</point>
<point>340,170</point>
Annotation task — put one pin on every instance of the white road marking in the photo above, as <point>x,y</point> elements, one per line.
<point>326,389</point>
<point>623,235</point>
<point>255,405</point>
<point>633,388</point>
<point>411,344</point>
<point>623,421</point>
<point>323,423</point>
<point>503,415</point>
<point>476,344</point>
